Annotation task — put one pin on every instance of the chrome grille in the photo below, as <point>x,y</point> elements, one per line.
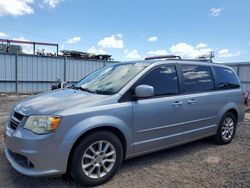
<point>13,125</point>
<point>15,120</point>
<point>18,116</point>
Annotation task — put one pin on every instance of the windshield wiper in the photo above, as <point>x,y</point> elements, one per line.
<point>83,89</point>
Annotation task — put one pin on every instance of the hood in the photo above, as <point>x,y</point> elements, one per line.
<point>47,103</point>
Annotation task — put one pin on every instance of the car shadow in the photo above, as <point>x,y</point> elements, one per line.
<point>169,154</point>
<point>16,179</point>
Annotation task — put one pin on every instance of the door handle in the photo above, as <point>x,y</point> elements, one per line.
<point>192,101</point>
<point>177,103</point>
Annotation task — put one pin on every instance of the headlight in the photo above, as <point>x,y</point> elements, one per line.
<point>42,124</point>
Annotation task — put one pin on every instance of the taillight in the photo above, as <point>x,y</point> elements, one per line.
<point>245,97</point>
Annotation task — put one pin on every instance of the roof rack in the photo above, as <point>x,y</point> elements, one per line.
<point>204,58</point>
<point>199,60</point>
<point>163,57</point>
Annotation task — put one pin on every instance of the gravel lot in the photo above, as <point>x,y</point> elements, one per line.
<point>197,164</point>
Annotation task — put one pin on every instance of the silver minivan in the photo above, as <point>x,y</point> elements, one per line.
<point>122,111</point>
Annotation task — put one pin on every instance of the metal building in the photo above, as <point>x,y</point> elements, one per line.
<point>32,74</point>
<point>20,73</point>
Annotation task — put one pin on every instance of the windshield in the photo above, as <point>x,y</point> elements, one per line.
<point>109,80</point>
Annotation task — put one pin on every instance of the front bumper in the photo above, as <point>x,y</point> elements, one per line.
<point>29,171</point>
<point>40,155</point>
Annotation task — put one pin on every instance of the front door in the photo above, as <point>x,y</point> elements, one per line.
<point>157,121</point>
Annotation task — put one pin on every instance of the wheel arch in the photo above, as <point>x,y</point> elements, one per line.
<point>229,107</point>
<point>234,112</point>
<point>117,132</point>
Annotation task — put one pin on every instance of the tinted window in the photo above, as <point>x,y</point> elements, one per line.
<point>197,78</point>
<point>226,79</point>
<point>110,79</point>
<point>163,79</point>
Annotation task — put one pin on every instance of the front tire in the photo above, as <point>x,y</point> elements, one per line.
<point>226,129</point>
<point>96,158</point>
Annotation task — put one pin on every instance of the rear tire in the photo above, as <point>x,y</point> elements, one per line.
<point>226,129</point>
<point>96,158</point>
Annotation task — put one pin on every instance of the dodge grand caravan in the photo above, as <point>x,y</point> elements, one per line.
<point>122,111</point>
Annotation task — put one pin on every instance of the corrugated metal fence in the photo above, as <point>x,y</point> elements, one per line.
<point>243,71</point>
<point>31,74</point>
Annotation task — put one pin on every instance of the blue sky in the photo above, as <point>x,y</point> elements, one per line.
<point>133,29</point>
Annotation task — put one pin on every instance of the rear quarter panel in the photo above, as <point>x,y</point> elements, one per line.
<point>231,99</point>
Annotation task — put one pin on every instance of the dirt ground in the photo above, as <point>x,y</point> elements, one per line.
<point>197,164</point>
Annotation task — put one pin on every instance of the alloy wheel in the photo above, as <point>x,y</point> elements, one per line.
<point>98,159</point>
<point>227,128</point>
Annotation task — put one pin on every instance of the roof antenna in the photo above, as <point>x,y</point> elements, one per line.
<point>211,56</point>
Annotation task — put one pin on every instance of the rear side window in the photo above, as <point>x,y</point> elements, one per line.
<point>163,79</point>
<point>226,79</point>
<point>197,78</point>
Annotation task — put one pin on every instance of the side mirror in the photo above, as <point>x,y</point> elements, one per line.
<point>144,91</point>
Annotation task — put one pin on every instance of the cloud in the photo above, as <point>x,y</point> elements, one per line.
<point>153,39</point>
<point>15,7</point>
<point>216,11</point>
<point>133,54</point>
<point>227,53</point>
<point>184,50</point>
<point>73,40</point>
<point>201,45</point>
<point>114,41</point>
<point>51,3</point>
<point>157,52</point>
<point>3,35</point>
<point>21,38</point>
<point>94,50</point>
<point>188,51</point>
